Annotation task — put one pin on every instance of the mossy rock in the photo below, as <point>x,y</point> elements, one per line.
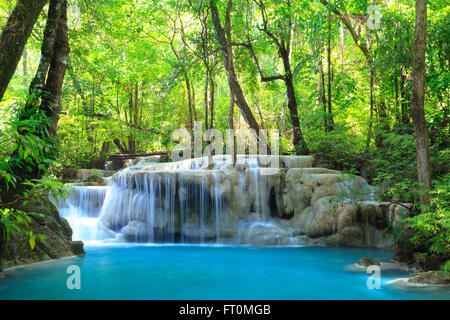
<point>46,221</point>
<point>431,277</point>
<point>367,262</point>
<point>99,181</point>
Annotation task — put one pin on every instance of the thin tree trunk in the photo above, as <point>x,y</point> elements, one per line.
<point>258,106</point>
<point>299,141</point>
<point>330,122</point>
<point>404,100</point>
<point>211,99</point>
<point>398,111</point>
<point>418,100</point>
<point>231,114</point>
<point>191,114</point>
<point>369,133</point>
<point>323,97</point>
<point>229,67</point>
<point>284,50</point>
<point>14,37</point>
<point>121,147</point>
<point>206,99</point>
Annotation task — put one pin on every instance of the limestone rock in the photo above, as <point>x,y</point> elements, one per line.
<point>136,231</point>
<point>268,234</point>
<point>324,220</point>
<point>366,262</point>
<point>47,221</point>
<point>431,277</point>
<point>77,247</point>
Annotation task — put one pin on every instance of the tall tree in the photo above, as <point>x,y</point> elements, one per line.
<point>14,37</point>
<point>57,70</point>
<point>284,45</point>
<point>330,122</point>
<point>49,80</point>
<point>418,99</point>
<point>231,73</point>
<point>47,47</point>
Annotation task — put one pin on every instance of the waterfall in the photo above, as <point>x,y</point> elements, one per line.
<point>182,202</point>
<point>217,204</point>
<point>82,210</point>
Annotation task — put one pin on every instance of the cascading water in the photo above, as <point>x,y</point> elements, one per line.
<point>186,203</point>
<point>82,210</point>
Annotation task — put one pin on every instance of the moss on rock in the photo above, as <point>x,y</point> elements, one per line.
<point>46,221</point>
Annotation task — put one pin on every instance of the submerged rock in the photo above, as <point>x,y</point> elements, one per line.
<point>366,262</point>
<point>136,231</point>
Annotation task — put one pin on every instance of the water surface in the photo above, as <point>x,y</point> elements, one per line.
<point>209,272</point>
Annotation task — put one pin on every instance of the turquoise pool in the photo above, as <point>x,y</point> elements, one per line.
<point>209,272</point>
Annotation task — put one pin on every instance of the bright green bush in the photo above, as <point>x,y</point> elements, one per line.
<point>432,229</point>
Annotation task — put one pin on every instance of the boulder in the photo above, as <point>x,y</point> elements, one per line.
<point>77,247</point>
<point>348,237</point>
<point>46,221</point>
<point>268,234</point>
<point>324,218</point>
<point>366,262</point>
<point>136,231</point>
<point>431,277</point>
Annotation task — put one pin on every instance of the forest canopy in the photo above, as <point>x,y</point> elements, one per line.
<point>341,80</point>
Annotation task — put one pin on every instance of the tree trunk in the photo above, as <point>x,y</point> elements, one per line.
<point>322,95</point>
<point>299,142</point>
<point>370,131</point>
<point>398,111</point>
<point>14,37</point>
<point>191,115</point>
<point>131,142</point>
<point>231,74</point>
<point>24,66</point>
<point>48,46</point>
<point>330,122</point>
<point>121,147</point>
<point>231,114</point>
<point>57,71</point>
<point>404,100</point>
<point>206,98</point>
<point>418,100</point>
<point>284,50</point>
<point>51,101</point>
<point>211,99</point>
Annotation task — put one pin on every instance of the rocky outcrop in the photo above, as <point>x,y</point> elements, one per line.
<point>194,201</point>
<point>432,278</point>
<point>58,237</point>
<point>366,262</point>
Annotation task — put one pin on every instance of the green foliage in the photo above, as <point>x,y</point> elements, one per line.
<point>395,167</point>
<point>48,185</point>
<point>14,222</point>
<point>432,229</point>
<point>337,150</point>
<point>134,65</point>
<point>446,268</point>
<point>27,150</point>
<point>26,145</point>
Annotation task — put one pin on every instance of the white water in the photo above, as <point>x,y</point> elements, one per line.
<point>179,202</point>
